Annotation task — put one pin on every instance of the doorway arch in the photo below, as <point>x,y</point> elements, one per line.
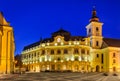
<point>97,68</point>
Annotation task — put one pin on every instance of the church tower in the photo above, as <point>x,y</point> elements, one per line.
<point>7,46</point>
<point>94,31</point>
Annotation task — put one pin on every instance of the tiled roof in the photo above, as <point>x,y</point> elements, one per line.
<point>112,42</point>
<point>72,38</point>
<point>32,45</point>
<point>106,42</point>
<point>67,37</point>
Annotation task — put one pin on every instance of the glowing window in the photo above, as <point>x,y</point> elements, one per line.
<point>58,39</point>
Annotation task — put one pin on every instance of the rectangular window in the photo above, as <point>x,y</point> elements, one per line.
<point>113,54</point>
<point>52,51</point>
<point>97,55</point>
<point>87,52</point>
<point>89,30</point>
<point>43,52</point>
<point>97,29</point>
<point>65,51</point>
<point>35,54</point>
<point>102,59</point>
<point>76,51</point>
<point>97,43</point>
<point>58,51</point>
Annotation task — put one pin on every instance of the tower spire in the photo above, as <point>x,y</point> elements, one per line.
<point>94,15</point>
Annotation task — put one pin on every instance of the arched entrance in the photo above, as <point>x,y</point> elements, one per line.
<point>53,67</point>
<point>76,68</point>
<point>97,68</point>
<point>58,67</point>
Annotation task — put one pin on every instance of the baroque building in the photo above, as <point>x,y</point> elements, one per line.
<point>7,46</point>
<point>63,52</point>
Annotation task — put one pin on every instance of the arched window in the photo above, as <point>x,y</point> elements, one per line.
<point>52,51</point>
<point>32,55</point>
<point>65,51</point>
<point>76,51</point>
<point>58,51</point>
<point>43,52</point>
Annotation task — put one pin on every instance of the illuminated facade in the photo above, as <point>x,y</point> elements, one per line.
<point>63,51</point>
<point>7,46</point>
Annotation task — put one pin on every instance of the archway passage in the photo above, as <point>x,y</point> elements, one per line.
<point>76,68</point>
<point>97,68</point>
<point>53,67</point>
<point>58,67</point>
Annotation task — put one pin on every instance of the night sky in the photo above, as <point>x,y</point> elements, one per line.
<point>33,19</point>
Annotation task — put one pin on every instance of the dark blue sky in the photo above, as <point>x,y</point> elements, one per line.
<point>33,19</point>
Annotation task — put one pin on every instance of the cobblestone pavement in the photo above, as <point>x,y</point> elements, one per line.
<point>60,77</point>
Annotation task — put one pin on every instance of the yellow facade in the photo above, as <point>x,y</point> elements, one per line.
<point>64,52</point>
<point>7,46</point>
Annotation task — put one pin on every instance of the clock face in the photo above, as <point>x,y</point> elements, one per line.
<point>58,40</point>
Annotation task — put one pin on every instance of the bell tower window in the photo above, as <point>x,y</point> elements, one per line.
<point>97,43</point>
<point>97,29</point>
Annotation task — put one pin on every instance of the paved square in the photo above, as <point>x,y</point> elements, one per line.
<point>49,76</point>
